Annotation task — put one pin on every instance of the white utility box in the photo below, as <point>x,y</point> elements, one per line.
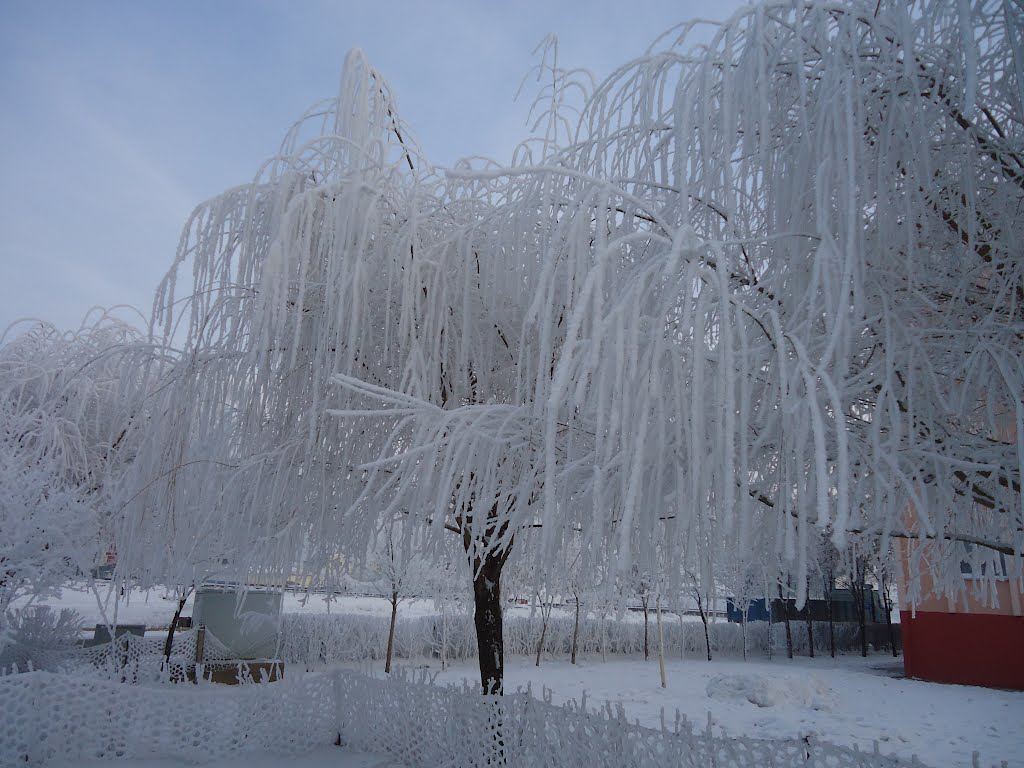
<point>244,619</point>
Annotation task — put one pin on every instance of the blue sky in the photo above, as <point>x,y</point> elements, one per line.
<point>119,117</point>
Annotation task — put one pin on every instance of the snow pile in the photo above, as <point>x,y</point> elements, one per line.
<point>806,691</point>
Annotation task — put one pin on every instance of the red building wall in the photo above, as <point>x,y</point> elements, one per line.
<point>972,637</point>
<point>964,648</point>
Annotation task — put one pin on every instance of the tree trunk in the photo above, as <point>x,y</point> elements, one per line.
<point>444,637</point>
<point>810,621</point>
<point>863,632</point>
<point>810,633</point>
<point>682,635</point>
<point>887,605</point>
<point>604,637</point>
<point>576,630</point>
<point>391,633</point>
<point>743,622</point>
<point>543,631</point>
<point>647,652</point>
<point>169,643</point>
<point>490,640</point>
<point>830,588</point>
<point>785,617</point>
<point>661,646</point>
<point>857,588</point>
<point>704,618</point>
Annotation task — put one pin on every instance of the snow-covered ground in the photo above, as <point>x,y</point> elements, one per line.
<point>849,700</point>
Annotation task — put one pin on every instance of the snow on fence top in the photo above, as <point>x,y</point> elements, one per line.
<point>129,657</point>
<point>52,717</point>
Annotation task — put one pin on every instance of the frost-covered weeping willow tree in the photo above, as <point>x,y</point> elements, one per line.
<point>68,402</point>
<point>753,290</point>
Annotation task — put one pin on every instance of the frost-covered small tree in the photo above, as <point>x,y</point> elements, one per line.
<point>448,583</point>
<point>884,567</point>
<point>702,596</point>
<point>399,574</point>
<point>741,579</point>
<point>639,585</point>
<point>50,534</point>
<point>580,584</point>
<point>771,282</point>
<point>68,410</point>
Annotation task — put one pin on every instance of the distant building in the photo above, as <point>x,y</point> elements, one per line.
<point>844,608</point>
<point>974,639</point>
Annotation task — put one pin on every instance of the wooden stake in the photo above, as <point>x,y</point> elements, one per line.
<point>200,650</point>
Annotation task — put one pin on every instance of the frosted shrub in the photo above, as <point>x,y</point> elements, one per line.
<point>39,635</point>
<point>40,626</point>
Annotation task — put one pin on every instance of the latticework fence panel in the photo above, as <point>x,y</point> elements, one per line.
<point>59,716</point>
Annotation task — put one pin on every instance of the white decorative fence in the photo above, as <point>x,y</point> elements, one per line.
<point>329,638</point>
<point>311,639</point>
<point>128,658</point>
<point>50,716</point>
<point>425,726</point>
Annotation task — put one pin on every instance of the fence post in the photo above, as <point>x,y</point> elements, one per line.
<point>200,650</point>
<point>711,743</point>
<point>337,690</point>
<point>34,753</point>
